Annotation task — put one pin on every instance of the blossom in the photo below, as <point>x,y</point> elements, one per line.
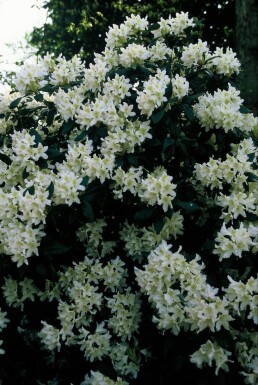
<point>153,94</point>
<point>231,241</point>
<point>195,54</point>
<point>97,378</point>
<point>210,352</point>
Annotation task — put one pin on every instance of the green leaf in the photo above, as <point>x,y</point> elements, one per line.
<point>15,103</point>
<point>39,97</point>
<point>173,100</point>
<point>5,158</point>
<point>47,88</point>
<point>188,112</point>
<point>30,190</point>
<point>168,142</point>
<point>50,116</point>
<point>157,116</point>
<point>25,174</point>
<point>55,154</point>
<point>56,248</point>
<point>190,207</point>
<point>144,214</point>
<point>67,127</point>
<point>133,160</point>
<point>85,181</point>
<point>154,27</point>
<point>81,136</point>
<point>88,211</point>
<point>42,163</point>
<point>244,110</point>
<point>158,225</point>
<point>251,177</point>
<point>50,190</point>
<point>35,133</point>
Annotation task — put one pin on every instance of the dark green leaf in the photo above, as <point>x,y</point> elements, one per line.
<point>54,153</point>
<point>190,207</point>
<point>35,133</point>
<point>50,190</point>
<point>15,103</point>
<point>88,211</point>
<point>25,174</point>
<point>252,177</point>
<point>244,110</point>
<point>30,190</point>
<point>5,158</point>
<point>167,143</point>
<point>158,225</point>
<point>56,248</point>
<point>42,163</point>
<point>169,213</point>
<point>153,27</point>
<point>157,116</point>
<point>81,136</point>
<point>67,127</point>
<point>144,214</point>
<point>173,100</point>
<point>208,72</point>
<point>48,88</point>
<point>39,97</point>
<point>85,181</point>
<point>50,116</point>
<point>133,160</point>
<point>188,112</point>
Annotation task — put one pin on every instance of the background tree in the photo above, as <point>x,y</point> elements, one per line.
<point>247,47</point>
<point>78,26</point>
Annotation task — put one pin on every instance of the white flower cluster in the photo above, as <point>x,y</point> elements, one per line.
<point>16,293</point>
<point>247,354</point>
<point>153,94</point>
<point>118,35</point>
<point>234,241</point>
<point>217,173</point>
<point>199,54</point>
<point>72,133</point>
<point>3,324</point>
<point>222,110</point>
<point>239,200</point>
<point>157,188</point>
<point>211,352</point>
<point>80,300</point>
<point>243,296</point>
<point>142,240</point>
<point>173,25</point>
<point>193,305</point>
<point>97,378</point>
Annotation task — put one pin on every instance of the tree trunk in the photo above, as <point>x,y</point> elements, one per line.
<point>247,49</point>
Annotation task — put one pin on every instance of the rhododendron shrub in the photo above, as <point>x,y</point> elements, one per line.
<point>128,216</point>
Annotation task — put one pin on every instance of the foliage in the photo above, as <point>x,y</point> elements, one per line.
<point>129,215</point>
<point>79,26</point>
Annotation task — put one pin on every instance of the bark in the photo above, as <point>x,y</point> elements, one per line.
<point>247,49</point>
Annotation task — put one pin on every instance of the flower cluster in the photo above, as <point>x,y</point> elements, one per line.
<point>222,110</point>
<point>127,191</point>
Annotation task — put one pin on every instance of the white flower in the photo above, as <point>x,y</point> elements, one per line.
<point>209,353</point>
<point>195,54</point>
<point>97,378</point>
<point>133,54</point>
<point>50,336</point>
<point>173,25</point>
<point>224,63</point>
<point>153,94</point>
<point>180,86</point>
<point>231,241</point>
<point>158,188</point>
